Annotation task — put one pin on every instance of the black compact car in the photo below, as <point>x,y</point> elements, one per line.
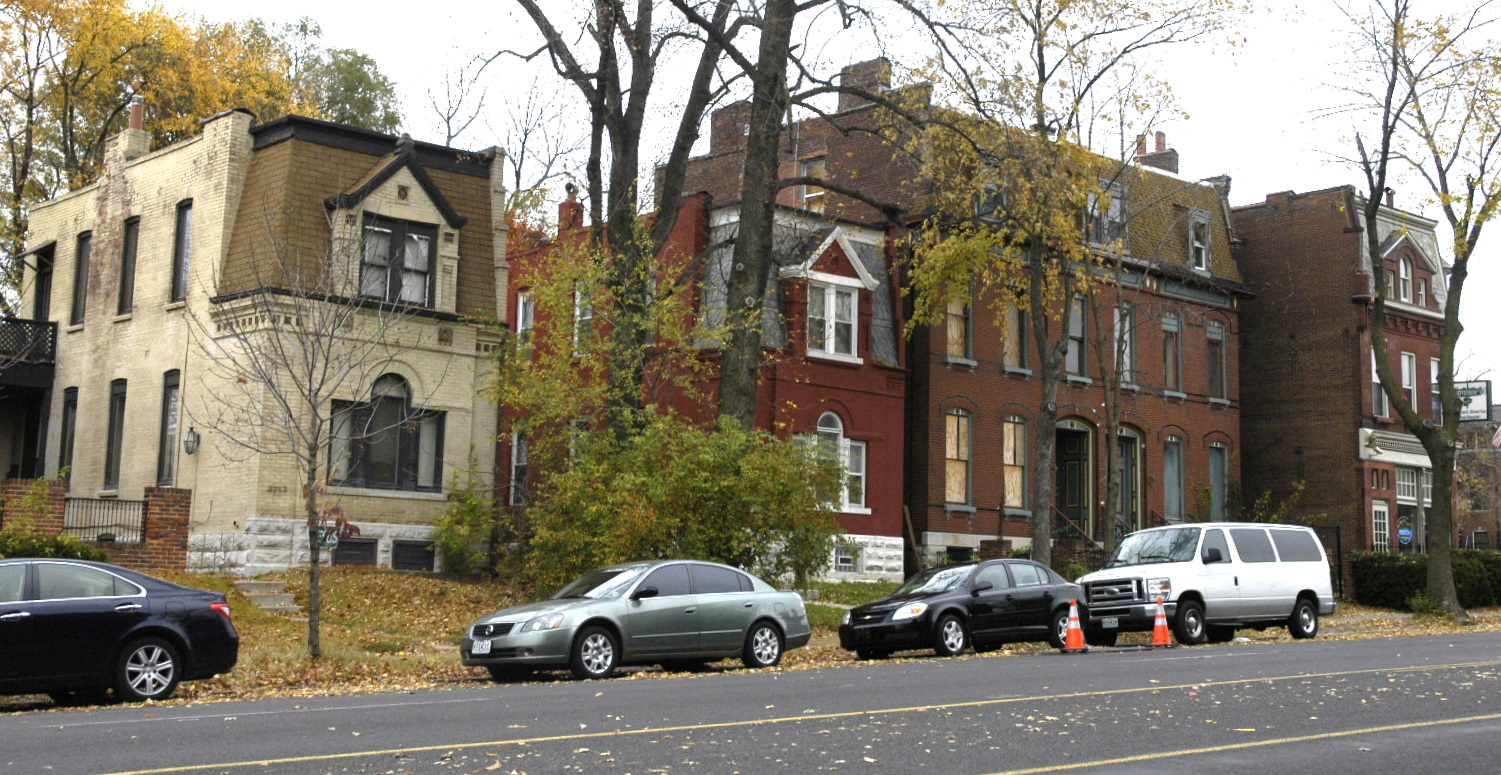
<point>949,609</point>
<point>73,628</point>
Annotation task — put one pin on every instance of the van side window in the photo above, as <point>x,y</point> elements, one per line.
<point>1215,539</point>
<point>1252,544</point>
<point>1297,546</point>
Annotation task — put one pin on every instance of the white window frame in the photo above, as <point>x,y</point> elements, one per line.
<point>1380,406</point>
<point>851,456</point>
<point>812,197</point>
<point>1407,485</point>
<point>1410,379</point>
<point>1435,399</point>
<point>520,465</point>
<point>526,319</point>
<point>1381,526</point>
<point>583,319</point>
<point>1198,242</point>
<point>1420,294</point>
<point>831,287</point>
<point>1404,279</point>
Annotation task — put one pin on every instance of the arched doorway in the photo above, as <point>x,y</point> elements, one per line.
<point>1075,479</point>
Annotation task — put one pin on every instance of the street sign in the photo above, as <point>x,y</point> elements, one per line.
<point>1476,400</point>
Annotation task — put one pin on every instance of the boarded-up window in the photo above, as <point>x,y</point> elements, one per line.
<point>956,454</point>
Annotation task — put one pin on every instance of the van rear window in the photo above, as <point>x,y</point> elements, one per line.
<point>1297,546</point>
<point>1252,544</point>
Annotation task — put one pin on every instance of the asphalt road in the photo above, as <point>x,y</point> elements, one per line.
<point>1401,705</point>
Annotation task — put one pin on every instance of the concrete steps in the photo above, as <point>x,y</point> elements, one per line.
<point>270,596</point>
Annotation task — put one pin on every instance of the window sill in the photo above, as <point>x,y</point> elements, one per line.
<point>1023,513</point>
<point>175,305</point>
<point>853,360</point>
<point>374,492</point>
<point>1220,402</point>
<point>1131,387</point>
<point>967,363</point>
<point>958,508</point>
<point>73,328</point>
<point>1016,371</point>
<point>854,510</point>
<point>1074,379</point>
<point>107,494</point>
<point>122,318</point>
<point>1174,395</point>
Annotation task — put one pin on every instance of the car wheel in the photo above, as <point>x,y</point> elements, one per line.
<point>949,637</point>
<point>504,673</point>
<point>1304,622</point>
<point>871,654</point>
<point>1220,633</point>
<point>763,646</point>
<point>1189,626</point>
<point>147,670</point>
<point>1058,630</point>
<point>595,652</point>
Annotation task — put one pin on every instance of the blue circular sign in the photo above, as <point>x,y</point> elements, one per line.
<point>1404,535</point>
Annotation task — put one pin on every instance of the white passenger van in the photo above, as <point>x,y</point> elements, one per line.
<point>1214,578</point>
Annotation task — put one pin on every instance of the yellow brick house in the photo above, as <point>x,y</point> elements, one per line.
<point>180,263</point>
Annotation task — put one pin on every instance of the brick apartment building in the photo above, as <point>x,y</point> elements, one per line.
<point>1313,410</point>
<point>972,392</point>
<point>148,270</point>
<point>833,348</point>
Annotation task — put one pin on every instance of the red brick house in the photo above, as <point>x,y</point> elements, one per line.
<point>832,344</point>
<point>1314,410</point>
<point>972,393</point>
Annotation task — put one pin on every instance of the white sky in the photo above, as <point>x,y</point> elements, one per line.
<point>1253,107</point>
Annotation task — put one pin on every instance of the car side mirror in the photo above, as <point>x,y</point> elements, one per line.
<point>981,586</point>
<point>1212,554</point>
<point>644,592</point>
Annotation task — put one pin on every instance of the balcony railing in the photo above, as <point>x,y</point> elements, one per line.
<point>31,341</point>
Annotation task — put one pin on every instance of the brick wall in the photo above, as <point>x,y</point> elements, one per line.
<point>164,544</point>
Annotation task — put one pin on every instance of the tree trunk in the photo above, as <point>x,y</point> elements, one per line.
<point>740,371</point>
<point>314,577</point>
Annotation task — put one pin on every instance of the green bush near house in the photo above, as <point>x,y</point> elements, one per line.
<point>1392,580</point>
<point>27,544</point>
<point>463,532</point>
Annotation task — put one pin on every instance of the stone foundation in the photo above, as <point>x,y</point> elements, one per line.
<point>270,545</point>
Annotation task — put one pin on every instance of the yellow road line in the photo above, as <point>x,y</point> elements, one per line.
<point>883,712</point>
<point>1148,757</point>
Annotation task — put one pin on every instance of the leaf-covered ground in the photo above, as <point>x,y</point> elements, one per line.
<point>384,630</point>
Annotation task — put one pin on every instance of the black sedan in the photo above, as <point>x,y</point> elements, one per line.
<point>74,629</point>
<point>949,609</point>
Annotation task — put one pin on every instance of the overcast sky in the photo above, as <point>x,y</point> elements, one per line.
<point>1257,109</point>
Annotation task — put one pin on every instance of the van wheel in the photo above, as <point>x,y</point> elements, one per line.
<point>949,637</point>
<point>1304,623</point>
<point>1189,626</point>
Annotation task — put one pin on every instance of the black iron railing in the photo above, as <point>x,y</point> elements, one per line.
<point>105,519</point>
<point>32,341</point>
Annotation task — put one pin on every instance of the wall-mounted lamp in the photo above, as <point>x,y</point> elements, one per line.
<point>190,441</point>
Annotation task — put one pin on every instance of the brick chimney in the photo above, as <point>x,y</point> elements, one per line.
<point>728,125</point>
<point>1163,157</point>
<point>134,142</point>
<point>570,211</point>
<point>873,75</point>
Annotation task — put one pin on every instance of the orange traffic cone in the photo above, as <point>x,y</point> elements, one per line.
<point>1162,638</point>
<point>1073,641</point>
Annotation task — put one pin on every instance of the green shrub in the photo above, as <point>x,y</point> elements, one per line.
<point>1388,579</point>
<point>1422,605</point>
<point>27,544</point>
<point>1490,561</point>
<point>463,532</point>
<point>1470,581</point>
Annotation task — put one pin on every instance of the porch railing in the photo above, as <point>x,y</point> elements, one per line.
<point>105,519</point>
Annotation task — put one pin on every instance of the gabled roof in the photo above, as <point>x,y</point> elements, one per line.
<point>405,157</point>
<point>824,238</point>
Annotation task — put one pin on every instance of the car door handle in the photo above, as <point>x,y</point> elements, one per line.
<point>689,610</point>
<point>750,605</point>
<point>128,607</point>
<point>14,616</point>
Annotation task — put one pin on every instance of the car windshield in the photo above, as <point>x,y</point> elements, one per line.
<point>1154,546</point>
<point>600,584</point>
<point>936,580</point>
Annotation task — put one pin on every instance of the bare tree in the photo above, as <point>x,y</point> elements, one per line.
<point>278,356</point>
<point>1429,98</point>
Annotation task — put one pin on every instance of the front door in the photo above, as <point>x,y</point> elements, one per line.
<point>1127,509</point>
<point>665,623</point>
<point>1073,482</point>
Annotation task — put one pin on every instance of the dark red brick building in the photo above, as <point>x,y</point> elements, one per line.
<point>1314,411</point>
<point>972,390</point>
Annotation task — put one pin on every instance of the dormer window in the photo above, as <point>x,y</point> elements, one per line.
<point>832,318</point>
<point>1404,279</point>
<point>1105,215</point>
<point>812,196</point>
<point>1198,242</point>
<point>396,262</point>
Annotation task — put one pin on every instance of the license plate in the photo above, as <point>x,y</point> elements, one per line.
<point>480,647</point>
<point>1108,622</point>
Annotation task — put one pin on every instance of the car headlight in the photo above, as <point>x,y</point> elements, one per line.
<point>548,622</point>
<point>909,611</point>
<point>846,618</point>
<point>1159,588</point>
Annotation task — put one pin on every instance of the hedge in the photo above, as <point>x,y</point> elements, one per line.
<point>1390,580</point>
<point>17,544</point>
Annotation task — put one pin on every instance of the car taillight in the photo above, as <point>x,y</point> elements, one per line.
<point>222,608</point>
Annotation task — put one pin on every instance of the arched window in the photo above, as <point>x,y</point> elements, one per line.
<point>1404,279</point>
<point>850,454</point>
<point>386,443</point>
